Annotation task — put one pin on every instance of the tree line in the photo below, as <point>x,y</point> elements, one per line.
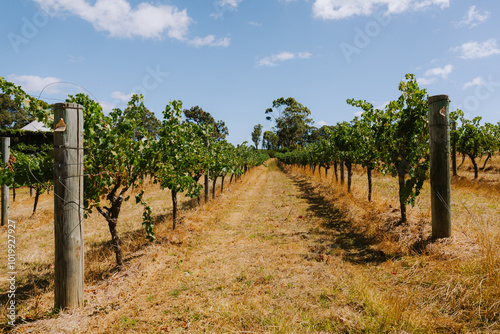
<point>124,146</point>
<point>394,141</point>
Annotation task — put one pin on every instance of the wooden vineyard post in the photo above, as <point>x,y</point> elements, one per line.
<point>454,150</point>
<point>5,188</point>
<point>68,205</point>
<point>439,141</point>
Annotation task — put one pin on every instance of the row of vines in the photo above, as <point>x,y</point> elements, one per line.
<point>394,141</point>
<point>119,151</point>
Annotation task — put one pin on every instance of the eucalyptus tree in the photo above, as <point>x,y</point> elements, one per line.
<point>12,116</point>
<point>270,140</point>
<point>25,105</point>
<point>199,116</point>
<point>257,132</point>
<point>292,122</point>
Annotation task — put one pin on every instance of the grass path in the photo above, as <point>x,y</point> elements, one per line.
<point>269,256</point>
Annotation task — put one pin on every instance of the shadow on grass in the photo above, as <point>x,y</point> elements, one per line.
<point>27,286</point>
<point>338,233</point>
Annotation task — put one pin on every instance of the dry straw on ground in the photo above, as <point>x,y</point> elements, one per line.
<point>278,253</point>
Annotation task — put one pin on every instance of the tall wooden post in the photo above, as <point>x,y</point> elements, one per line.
<point>439,141</point>
<point>68,205</point>
<point>454,150</point>
<point>5,188</point>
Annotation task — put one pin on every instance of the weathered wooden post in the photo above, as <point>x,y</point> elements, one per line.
<point>5,188</point>
<point>454,150</point>
<point>439,141</point>
<point>68,205</point>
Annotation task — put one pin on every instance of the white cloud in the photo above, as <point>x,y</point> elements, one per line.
<point>33,84</point>
<point>425,81</point>
<point>383,105</point>
<point>340,9</point>
<point>121,96</point>
<point>221,6</point>
<point>473,17</point>
<point>256,24</point>
<point>230,3</point>
<point>476,50</point>
<point>321,123</point>
<point>443,72</point>
<point>121,20</point>
<point>75,59</point>
<point>475,82</point>
<point>210,41</point>
<point>107,107</point>
<point>304,55</point>
<point>281,57</point>
<point>430,75</point>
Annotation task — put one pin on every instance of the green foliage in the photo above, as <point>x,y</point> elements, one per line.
<point>344,140</point>
<point>199,116</point>
<point>394,140</point>
<point>292,122</point>
<point>257,132</point>
<point>147,219</point>
<point>123,146</point>
<point>224,157</point>
<point>11,115</point>
<point>179,148</point>
<point>270,140</point>
<point>401,135</point>
<point>114,159</point>
<point>472,138</point>
<point>151,124</point>
<point>366,129</point>
<point>245,157</point>
<point>25,104</point>
<point>316,135</point>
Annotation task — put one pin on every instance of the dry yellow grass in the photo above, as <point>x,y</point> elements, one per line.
<point>277,253</point>
<point>459,275</point>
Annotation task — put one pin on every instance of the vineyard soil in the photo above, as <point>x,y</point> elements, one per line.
<point>281,251</point>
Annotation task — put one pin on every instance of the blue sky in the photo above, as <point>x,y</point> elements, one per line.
<point>234,57</point>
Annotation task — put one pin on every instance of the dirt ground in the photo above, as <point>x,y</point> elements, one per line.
<point>270,255</point>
